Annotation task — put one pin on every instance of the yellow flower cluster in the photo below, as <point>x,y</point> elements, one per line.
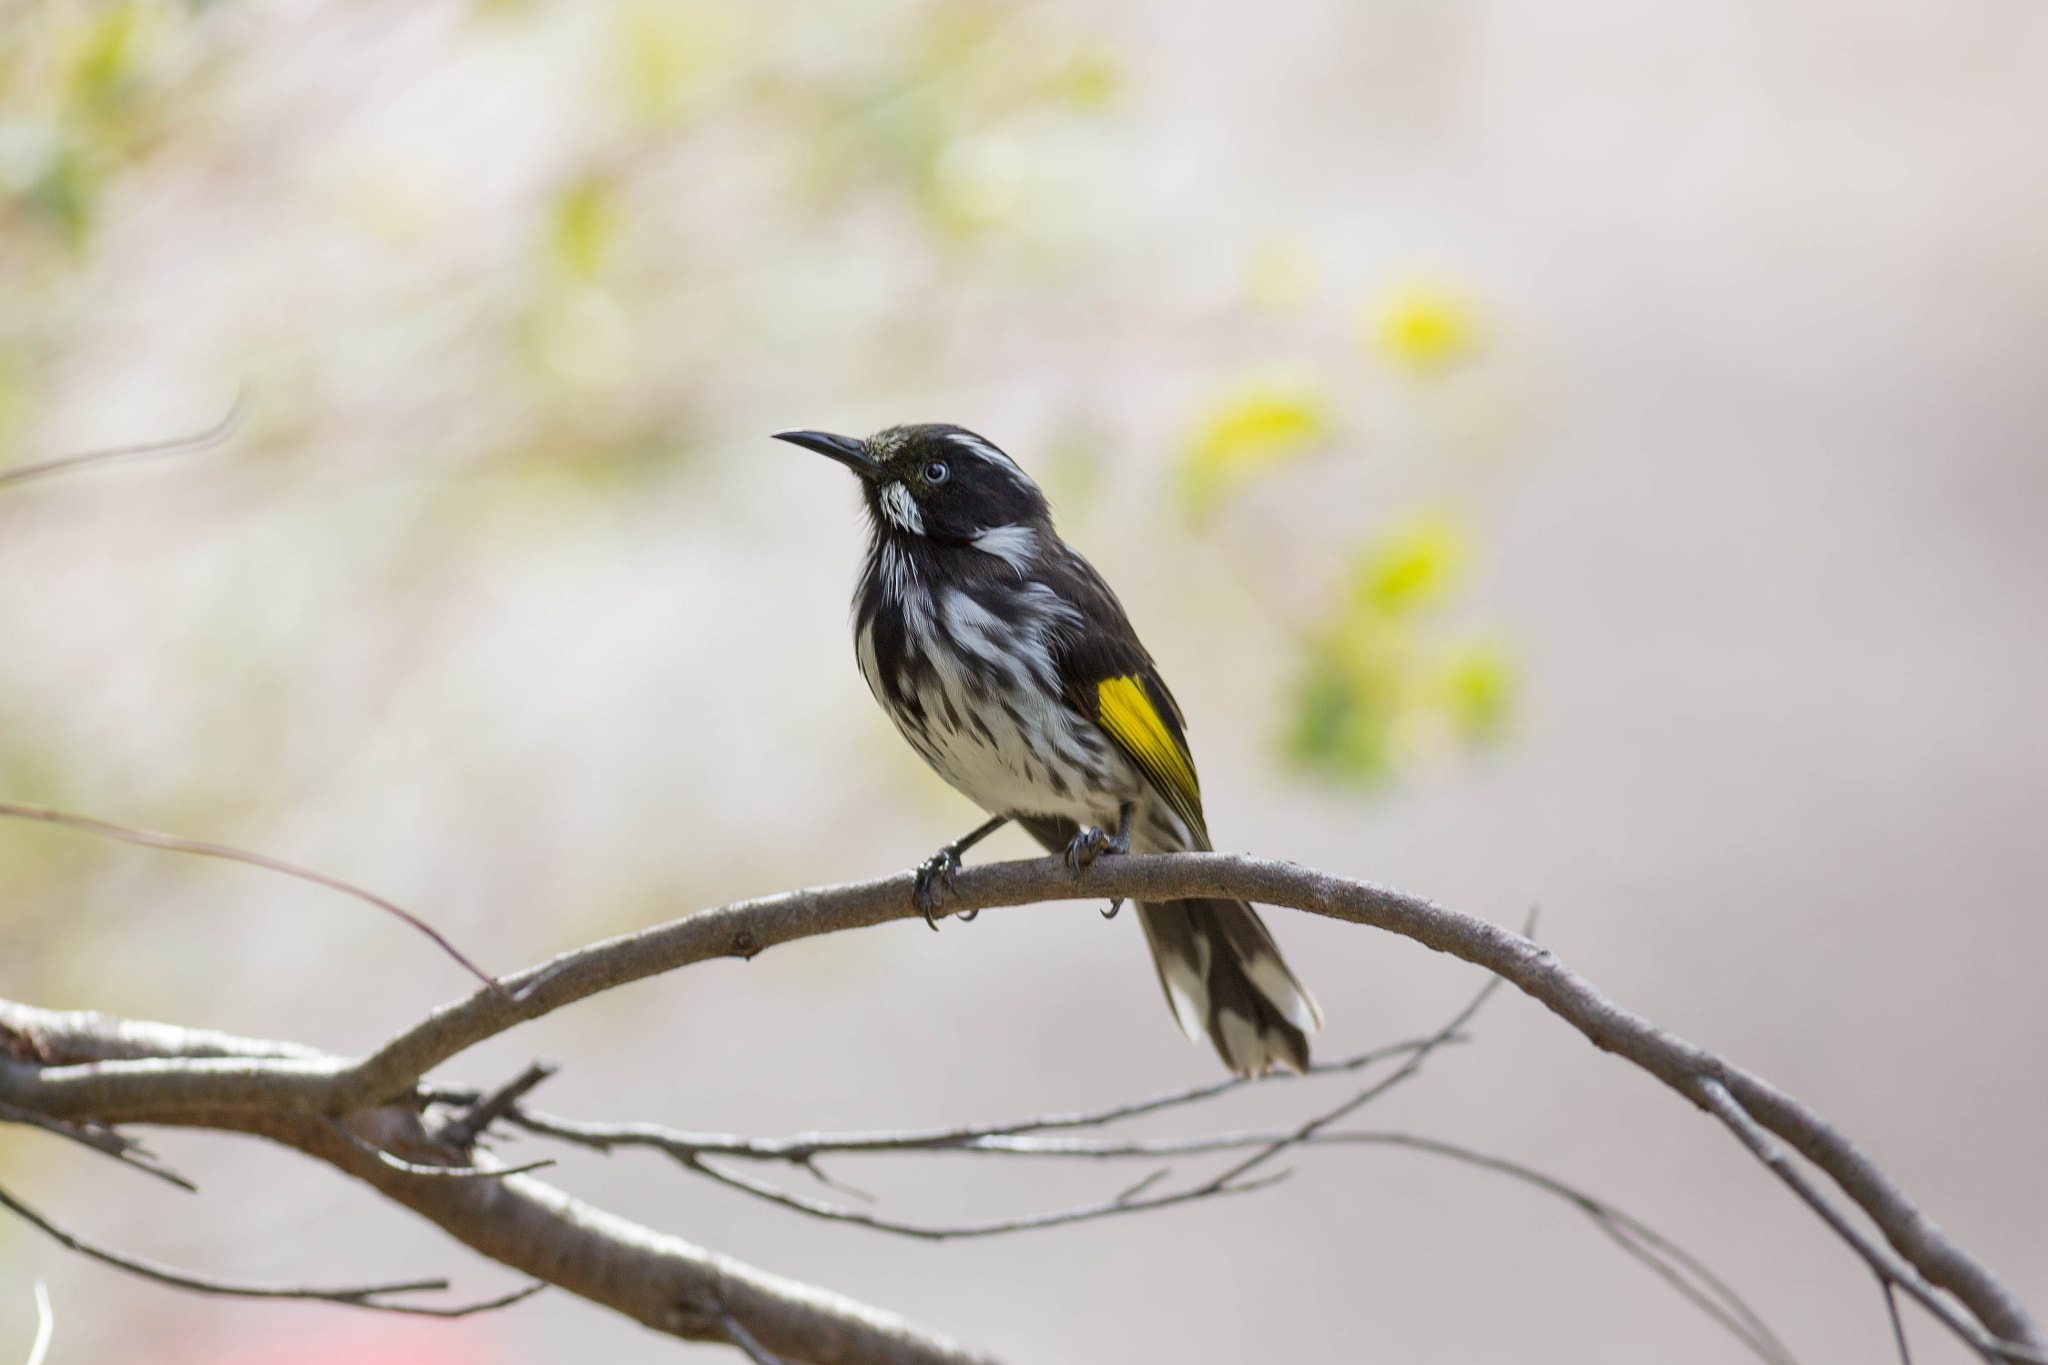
<point>1383,685</point>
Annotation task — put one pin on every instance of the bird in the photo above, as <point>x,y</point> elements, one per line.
<point>1009,665</point>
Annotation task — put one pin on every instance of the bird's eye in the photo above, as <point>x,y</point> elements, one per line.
<point>936,472</point>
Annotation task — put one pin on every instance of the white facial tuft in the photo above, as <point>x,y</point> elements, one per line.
<point>901,509</point>
<point>1016,546</point>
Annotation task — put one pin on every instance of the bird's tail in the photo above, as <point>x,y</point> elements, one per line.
<point>1223,975</point>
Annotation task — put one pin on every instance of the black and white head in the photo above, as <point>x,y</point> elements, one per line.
<point>939,482</point>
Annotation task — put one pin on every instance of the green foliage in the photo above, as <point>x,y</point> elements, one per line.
<point>79,85</point>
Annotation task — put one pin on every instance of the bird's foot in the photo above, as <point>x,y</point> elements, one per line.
<point>1084,848</point>
<point>1091,843</point>
<point>935,879</point>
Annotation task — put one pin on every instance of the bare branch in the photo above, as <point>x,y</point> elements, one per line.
<point>1671,1262</point>
<point>181,445</point>
<point>1680,1268</point>
<point>364,1296</point>
<point>239,1089</point>
<point>1127,1202</point>
<point>1233,1180</point>
<point>175,844</point>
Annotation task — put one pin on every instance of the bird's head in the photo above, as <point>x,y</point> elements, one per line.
<point>937,481</point>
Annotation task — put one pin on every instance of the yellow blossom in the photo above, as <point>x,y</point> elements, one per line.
<point>1415,563</point>
<point>1258,423</point>
<point>1423,324</point>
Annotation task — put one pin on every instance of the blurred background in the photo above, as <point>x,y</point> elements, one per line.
<point>1577,455</point>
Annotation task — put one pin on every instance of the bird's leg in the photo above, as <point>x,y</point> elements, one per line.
<point>1122,844</point>
<point>1091,843</point>
<point>935,874</point>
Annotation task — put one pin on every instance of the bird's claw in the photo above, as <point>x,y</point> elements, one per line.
<point>1084,848</point>
<point>1091,843</point>
<point>1114,906</point>
<point>934,876</point>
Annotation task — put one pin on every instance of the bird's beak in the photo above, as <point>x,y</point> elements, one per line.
<point>844,449</point>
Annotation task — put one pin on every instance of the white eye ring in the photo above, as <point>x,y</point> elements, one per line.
<point>936,472</point>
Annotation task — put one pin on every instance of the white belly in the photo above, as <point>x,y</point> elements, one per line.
<point>994,725</point>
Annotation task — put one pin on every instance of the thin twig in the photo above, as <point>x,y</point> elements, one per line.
<point>963,1137</point>
<point>1026,1137</point>
<point>1891,1308</point>
<point>173,843</point>
<point>181,445</point>
<point>364,1296</point>
<point>1080,1213</point>
<point>102,1139</point>
<point>737,1333</point>
<point>817,1173</point>
<point>1367,1095</point>
<point>1132,1200</point>
<point>398,1163</point>
<point>461,1133</point>
<point>1667,1259</point>
<point>1887,1266</point>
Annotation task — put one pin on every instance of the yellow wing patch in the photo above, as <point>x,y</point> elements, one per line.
<point>1124,708</point>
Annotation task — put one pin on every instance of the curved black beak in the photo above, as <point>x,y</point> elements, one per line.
<point>844,449</point>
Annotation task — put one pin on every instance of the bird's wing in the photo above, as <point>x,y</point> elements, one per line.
<point>1110,679</point>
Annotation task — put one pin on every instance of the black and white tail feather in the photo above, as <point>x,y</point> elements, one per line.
<point>1010,666</point>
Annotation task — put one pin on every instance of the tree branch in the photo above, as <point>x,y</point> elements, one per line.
<point>258,1087</point>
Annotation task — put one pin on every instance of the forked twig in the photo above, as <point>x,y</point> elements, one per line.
<point>1033,1136</point>
<point>99,1138</point>
<point>1883,1262</point>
